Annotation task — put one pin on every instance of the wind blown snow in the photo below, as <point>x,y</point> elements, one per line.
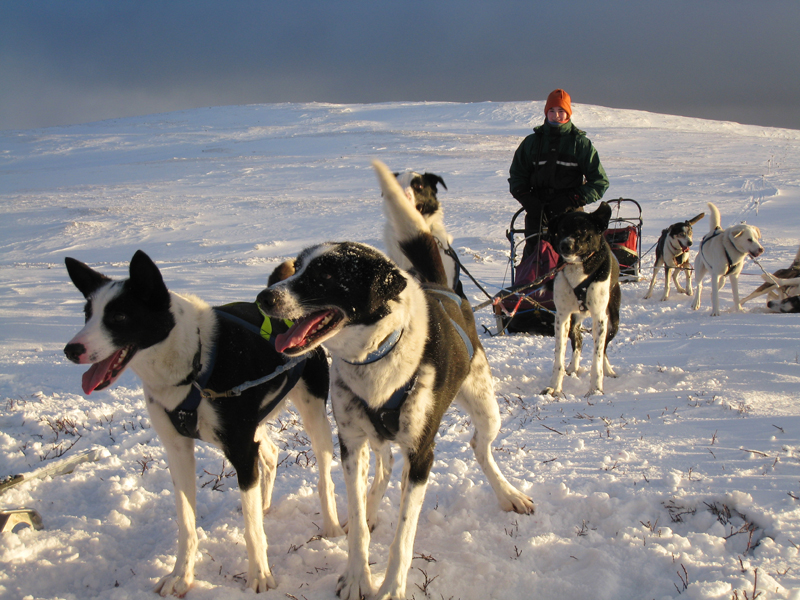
<point>682,481</point>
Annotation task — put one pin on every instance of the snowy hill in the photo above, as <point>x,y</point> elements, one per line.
<point>682,481</point>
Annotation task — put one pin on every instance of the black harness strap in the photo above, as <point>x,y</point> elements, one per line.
<point>717,231</point>
<point>581,289</point>
<point>386,418</point>
<point>184,417</point>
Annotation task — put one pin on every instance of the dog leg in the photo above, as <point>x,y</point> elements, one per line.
<point>268,461</point>
<point>478,399</point>
<point>557,378</point>
<point>688,271</point>
<point>599,330</point>
<point>383,471</point>
<point>180,457</point>
<point>576,338</point>
<point>667,274</point>
<point>315,421</point>
<point>259,576</point>
<point>652,282</point>
<point>414,486</point>
<point>700,269</point>
<point>356,581</point>
<point>717,282</point>
<point>734,277</point>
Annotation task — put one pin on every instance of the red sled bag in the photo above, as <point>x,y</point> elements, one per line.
<point>624,242</point>
<point>531,306</point>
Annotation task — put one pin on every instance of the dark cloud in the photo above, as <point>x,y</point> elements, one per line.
<point>85,60</point>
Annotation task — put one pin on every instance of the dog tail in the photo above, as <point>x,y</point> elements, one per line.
<point>716,220</point>
<point>409,229</point>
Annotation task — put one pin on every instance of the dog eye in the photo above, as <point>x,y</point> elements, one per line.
<point>117,318</point>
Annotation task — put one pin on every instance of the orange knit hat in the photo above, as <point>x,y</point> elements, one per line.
<point>559,98</point>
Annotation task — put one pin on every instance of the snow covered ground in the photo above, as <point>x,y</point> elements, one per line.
<point>682,481</point>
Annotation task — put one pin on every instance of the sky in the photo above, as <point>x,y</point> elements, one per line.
<point>81,61</point>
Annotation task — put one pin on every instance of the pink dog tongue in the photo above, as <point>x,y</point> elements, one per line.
<point>98,372</point>
<point>297,333</point>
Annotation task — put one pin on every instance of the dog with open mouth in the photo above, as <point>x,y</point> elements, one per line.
<point>721,254</point>
<point>672,253</point>
<point>403,348</point>
<point>209,374</point>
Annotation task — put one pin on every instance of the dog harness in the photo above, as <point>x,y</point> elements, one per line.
<point>386,418</point>
<point>184,417</point>
<point>581,289</point>
<point>717,231</point>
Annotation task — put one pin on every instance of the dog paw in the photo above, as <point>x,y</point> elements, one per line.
<point>173,585</point>
<point>355,586</point>
<point>260,579</point>
<point>516,501</point>
<point>595,391</point>
<point>263,583</point>
<point>548,391</point>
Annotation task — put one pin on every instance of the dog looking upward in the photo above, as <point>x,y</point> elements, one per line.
<point>422,191</point>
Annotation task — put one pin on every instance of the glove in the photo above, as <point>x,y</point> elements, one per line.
<point>528,201</point>
<point>564,202</point>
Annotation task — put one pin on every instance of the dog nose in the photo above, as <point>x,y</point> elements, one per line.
<point>266,300</point>
<point>689,244</point>
<point>565,246</point>
<point>74,352</point>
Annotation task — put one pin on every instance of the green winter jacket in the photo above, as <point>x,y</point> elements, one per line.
<point>556,169</point>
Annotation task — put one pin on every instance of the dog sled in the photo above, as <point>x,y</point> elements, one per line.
<point>527,306</point>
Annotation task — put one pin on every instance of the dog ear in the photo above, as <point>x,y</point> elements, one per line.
<point>146,282</point>
<point>602,216</point>
<point>432,179</point>
<point>281,272</point>
<point>697,218</point>
<point>86,279</point>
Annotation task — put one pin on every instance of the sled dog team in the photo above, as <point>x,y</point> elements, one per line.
<point>402,344</point>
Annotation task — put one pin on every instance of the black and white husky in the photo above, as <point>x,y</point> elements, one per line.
<point>672,253</point>
<point>404,346</point>
<point>188,355</point>
<point>587,285</point>
<point>421,190</point>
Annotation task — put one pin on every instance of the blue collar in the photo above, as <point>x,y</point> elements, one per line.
<point>386,346</point>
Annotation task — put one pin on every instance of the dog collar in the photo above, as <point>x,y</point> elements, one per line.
<point>386,346</point>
